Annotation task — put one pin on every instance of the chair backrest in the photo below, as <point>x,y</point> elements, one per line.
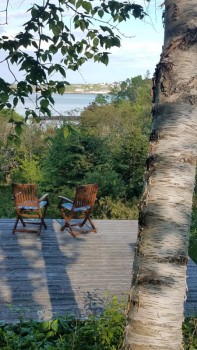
<point>85,195</point>
<point>25,194</point>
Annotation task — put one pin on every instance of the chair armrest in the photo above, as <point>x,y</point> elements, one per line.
<point>64,199</point>
<point>44,197</point>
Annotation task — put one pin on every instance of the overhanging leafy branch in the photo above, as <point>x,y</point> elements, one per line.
<point>47,37</point>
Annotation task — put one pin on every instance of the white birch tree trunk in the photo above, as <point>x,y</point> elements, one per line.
<point>156,305</point>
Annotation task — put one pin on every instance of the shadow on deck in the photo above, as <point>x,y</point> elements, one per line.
<point>54,274</point>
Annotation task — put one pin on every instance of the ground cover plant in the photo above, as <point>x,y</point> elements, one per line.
<point>95,333</point>
<point>193,231</point>
<point>104,332</point>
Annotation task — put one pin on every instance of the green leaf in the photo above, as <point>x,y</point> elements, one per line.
<point>17,141</point>
<point>96,58</point>
<point>87,6</point>
<point>64,50</point>
<point>83,25</point>
<point>34,43</point>
<point>66,132</point>
<point>60,88</point>
<point>96,42</point>
<point>44,103</point>
<point>92,34</point>
<point>34,12</point>
<point>53,49</point>
<point>62,71</point>
<point>15,101</point>
<point>4,97</point>
<point>101,13</point>
<point>105,59</point>
<point>22,99</point>
<point>50,334</point>
<point>18,129</point>
<point>46,325</point>
<point>55,325</point>
<point>44,57</point>
<point>106,29</point>
<point>13,140</point>
<point>88,54</point>
<point>116,41</point>
<point>79,3</point>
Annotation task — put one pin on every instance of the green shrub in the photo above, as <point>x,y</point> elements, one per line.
<point>107,208</point>
<point>110,183</point>
<point>7,204</point>
<point>28,172</point>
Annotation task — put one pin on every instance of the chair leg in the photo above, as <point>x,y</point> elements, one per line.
<point>43,223</point>
<point>63,227</point>
<point>67,224</point>
<point>91,223</point>
<point>43,217</point>
<point>87,217</point>
<point>22,222</point>
<point>39,229</point>
<point>15,226</point>
<point>70,229</point>
<point>16,223</point>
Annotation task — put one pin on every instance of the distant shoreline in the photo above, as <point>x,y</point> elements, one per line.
<point>87,92</point>
<point>81,92</point>
<point>83,89</point>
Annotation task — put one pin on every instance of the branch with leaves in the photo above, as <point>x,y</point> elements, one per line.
<point>54,27</point>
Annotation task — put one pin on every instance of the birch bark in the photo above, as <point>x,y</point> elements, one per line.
<point>156,302</point>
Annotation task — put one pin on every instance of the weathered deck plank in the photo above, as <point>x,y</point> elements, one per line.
<point>191,301</point>
<point>55,274</point>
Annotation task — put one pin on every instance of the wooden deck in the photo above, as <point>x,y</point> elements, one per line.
<point>54,274</point>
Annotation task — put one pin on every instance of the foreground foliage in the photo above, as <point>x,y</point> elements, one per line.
<point>193,231</point>
<point>104,332</point>
<point>54,26</point>
<point>95,333</point>
<point>190,333</point>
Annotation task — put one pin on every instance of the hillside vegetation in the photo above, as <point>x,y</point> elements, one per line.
<point>108,145</point>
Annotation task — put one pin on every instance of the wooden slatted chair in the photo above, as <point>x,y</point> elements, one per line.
<point>29,206</point>
<point>82,206</point>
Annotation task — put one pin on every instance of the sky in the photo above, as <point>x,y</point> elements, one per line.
<point>139,52</point>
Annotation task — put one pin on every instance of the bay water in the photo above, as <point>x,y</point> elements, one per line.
<point>67,104</point>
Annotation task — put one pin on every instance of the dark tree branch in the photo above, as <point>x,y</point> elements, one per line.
<point>6,13</point>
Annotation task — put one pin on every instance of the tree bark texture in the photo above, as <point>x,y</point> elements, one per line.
<point>156,301</point>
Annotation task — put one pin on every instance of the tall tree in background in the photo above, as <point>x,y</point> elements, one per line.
<point>155,311</point>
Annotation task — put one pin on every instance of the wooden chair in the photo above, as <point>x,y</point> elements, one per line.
<point>82,206</point>
<point>29,206</point>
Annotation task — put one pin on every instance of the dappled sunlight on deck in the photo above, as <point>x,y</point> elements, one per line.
<point>55,274</point>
